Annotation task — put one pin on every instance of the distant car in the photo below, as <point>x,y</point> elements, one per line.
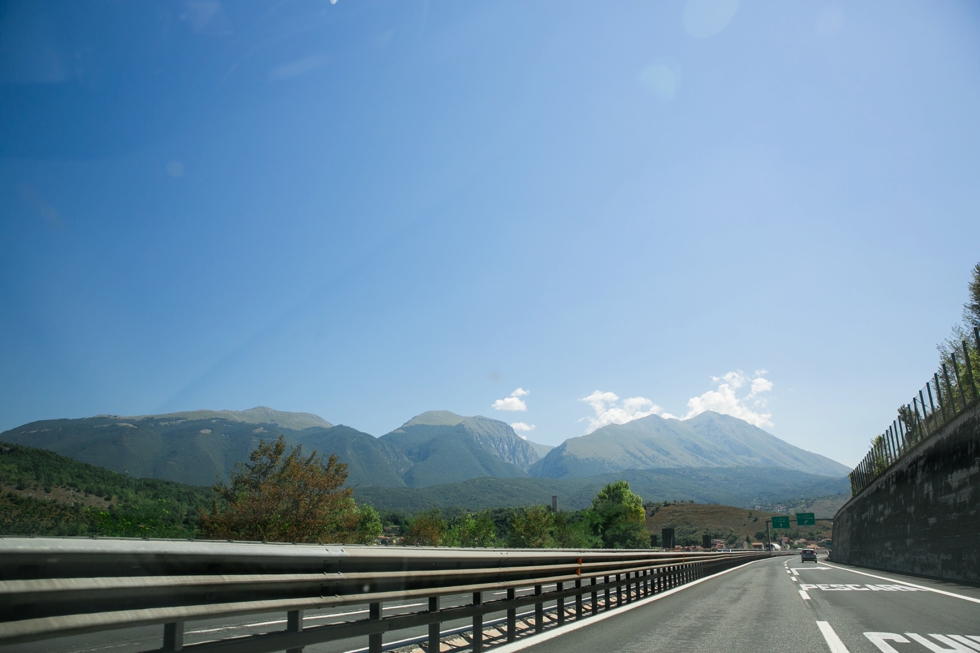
<point>808,554</point>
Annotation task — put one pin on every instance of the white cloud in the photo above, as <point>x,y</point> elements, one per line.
<point>749,407</point>
<point>608,410</point>
<point>521,426</point>
<point>513,403</point>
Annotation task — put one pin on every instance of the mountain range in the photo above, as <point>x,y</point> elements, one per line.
<point>706,440</point>
<point>434,448</point>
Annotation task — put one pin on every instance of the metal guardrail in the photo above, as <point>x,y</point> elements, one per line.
<point>950,392</point>
<point>52,587</point>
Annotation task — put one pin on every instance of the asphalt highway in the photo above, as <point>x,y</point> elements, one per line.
<point>773,604</point>
<point>784,604</point>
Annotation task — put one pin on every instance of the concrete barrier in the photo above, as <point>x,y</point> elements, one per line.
<point>923,515</point>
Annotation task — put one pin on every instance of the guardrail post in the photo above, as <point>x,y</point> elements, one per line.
<point>434,627</point>
<point>925,416</point>
<point>605,604</point>
<point>595,597</point>
<point>374,639</point>
<point>478,624</point>
<point>578,599</point>
<point>939,397</point>
<point>969,369</point>
<point>561,604</point>
<point>511,616</point>
<point>173,636</point>
<point>538,611</point>
<point>619,591</point>
<point>949,390</point>
<point>294,624</point>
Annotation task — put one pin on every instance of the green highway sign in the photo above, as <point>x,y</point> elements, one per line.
<point>780,522</point>
<point>805,519</point>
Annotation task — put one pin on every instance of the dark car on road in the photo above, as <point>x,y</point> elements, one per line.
<point>808,554</point>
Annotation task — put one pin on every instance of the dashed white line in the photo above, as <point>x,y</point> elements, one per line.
<point>794,579</point>
<point>833,641</point>
<point>806,597</point>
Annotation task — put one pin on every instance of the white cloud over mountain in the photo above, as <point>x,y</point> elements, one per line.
<point>513,403</point>
<point>608,409</point>
<point>737,394</point>
<point>727,399</point>
<point>521,426</point>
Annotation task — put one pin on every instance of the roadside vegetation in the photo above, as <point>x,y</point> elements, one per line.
<point>280,494</point>
<point>47,494</point>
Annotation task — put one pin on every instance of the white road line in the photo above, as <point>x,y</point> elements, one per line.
<point>794,579</point>
<point>833,641</point>
<point>806,597</point>
<point>921,587</point>
<point>331,615</point>
<point>534,640</point>
<point>796,573</point>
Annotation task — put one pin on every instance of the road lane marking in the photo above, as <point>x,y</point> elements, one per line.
<point>975,645</point>
<point>854,587</point>
<point>833,641</point>
<point>921,587</point>
<point>795,573</point>
<point>794,579</point>
<point>332,615</point>
<point>936,648</point>
<point>957,643</point>
<point>806,597</point>
<point>880,639</point>
<point>954,641</point>
<point>534,640</point>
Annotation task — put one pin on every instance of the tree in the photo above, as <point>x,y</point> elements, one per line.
<point>617,517</point>
<point>425,529</point>
<point>282,496</point>
<point>573,532</point>
<point>478,531</point>
<point>963,332</point>
<point>530,528</point>
<point>971,309</point>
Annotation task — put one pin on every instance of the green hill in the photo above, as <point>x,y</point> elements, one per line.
<point>47,494</point>
<point>369,460</point>
<point>200,447</point>
<point>707,440</point>
<point>737,486</point>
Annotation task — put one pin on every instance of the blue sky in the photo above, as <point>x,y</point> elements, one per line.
<point>367,210</point>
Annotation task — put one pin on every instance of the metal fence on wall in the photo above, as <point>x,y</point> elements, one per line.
<point>950,391</point>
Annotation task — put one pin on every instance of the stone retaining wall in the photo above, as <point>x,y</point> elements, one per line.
<point>923,515</point>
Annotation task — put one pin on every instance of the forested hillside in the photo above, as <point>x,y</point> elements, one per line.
<point>47,494</point>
